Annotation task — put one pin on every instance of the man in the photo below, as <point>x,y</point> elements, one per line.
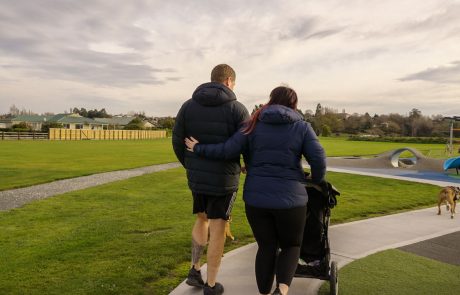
<point>212,115</point>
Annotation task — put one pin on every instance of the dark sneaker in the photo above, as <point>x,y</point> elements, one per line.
<point>194,278</point>
<point>277,291</point>
<point>216,290</point>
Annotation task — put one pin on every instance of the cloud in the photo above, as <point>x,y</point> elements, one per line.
<point>305,28</point>
<point>298,29</point>
<point>446,16</point>
<point>159,51</point>
<point>104,69</point>
<point>19,46</point>
<point>441,74</point>
<point>324,33</point>
<point>174,78</point>
<point>55,40</point>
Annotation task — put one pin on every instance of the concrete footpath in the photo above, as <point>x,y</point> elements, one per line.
<point>349,241</point>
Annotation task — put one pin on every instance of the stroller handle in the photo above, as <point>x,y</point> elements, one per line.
<point>329,191</point>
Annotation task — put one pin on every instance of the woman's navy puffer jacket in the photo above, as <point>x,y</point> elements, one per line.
<point>273,152</point>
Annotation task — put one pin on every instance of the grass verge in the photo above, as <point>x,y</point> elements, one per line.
<point>396,272</point>
<point>365,196</point>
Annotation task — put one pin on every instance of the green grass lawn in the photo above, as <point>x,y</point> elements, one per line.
<point>24,163</point>
<point>133,236</point>
<point>397,272</point>
<point>365,196</point>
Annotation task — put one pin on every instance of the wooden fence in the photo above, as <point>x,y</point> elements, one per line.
<point>23,135</point>
<point>83,134</point>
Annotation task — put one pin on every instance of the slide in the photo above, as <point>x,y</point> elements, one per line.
<point>452,163</point>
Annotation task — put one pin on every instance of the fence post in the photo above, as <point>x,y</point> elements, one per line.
<point>3,135</point>
<point>19,136</point>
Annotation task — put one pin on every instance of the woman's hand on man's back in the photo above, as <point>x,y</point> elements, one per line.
<point>190,143</point>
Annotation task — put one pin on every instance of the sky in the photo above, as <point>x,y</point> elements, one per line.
<point>149,56</point>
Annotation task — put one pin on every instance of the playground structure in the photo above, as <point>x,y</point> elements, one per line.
<point>391,160</point>
<point>452,163</point>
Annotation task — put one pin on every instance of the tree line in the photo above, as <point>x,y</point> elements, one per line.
<point>328,121</point>
<point>91,113</point>
<point>135,124</point>
<point>324,120</point>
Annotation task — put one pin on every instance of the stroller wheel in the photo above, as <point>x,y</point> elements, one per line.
<point>334,279</point>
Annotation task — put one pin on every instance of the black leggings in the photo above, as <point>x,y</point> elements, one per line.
<point>274,229</point>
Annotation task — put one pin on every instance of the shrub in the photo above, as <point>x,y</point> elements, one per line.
<point>47,125</point>
<point>21,127</point>
<point>326,131</point>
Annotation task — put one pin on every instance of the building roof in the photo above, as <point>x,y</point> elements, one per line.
<point>147,124</point>
<point>73,119</point>
<point>121,121</point>
<point>31,118</point>
<point>59,118</point>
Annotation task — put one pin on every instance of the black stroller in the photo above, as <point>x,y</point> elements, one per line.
<point>315,254</point>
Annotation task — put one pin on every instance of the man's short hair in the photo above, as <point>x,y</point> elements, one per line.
<point>221,72</point>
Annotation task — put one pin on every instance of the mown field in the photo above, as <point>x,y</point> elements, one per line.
<point>24,163</point>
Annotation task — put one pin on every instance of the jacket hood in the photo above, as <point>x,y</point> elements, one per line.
<point>213,94</point>
<point>278,114</point>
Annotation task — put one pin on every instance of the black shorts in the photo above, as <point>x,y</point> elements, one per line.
<point>215,207</point>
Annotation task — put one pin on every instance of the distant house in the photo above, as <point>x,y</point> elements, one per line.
<point>35,122</point>
<point>72,121</point>
<point>119,122</point>
<point>68,121</point>
<point>147,125</point>
<point>5,123</point>
<point>115,122</point>
<point>75,121</point>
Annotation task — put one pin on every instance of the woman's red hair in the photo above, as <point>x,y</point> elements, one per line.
<point>281,95</point>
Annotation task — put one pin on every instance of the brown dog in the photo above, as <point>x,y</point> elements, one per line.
<point>449,195</point>
<point>228,233</point>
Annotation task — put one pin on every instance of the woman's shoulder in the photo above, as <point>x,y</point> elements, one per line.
<point>304,129</point>
<point>303,124</point>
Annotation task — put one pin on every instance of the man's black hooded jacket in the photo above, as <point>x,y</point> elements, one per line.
<point>212,115</point>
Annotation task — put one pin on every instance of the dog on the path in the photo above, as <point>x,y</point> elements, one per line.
<point>448,195</point>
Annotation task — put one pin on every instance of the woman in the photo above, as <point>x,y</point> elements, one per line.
<point>272,143</point>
